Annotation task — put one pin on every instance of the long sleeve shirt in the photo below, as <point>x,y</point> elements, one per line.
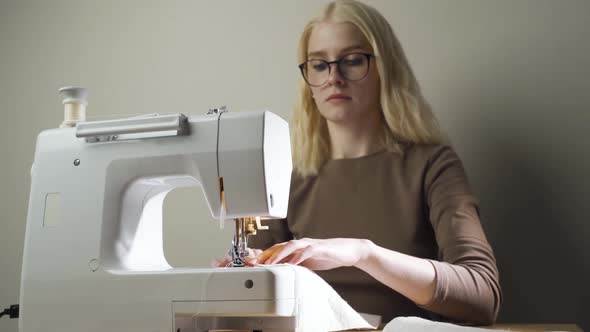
<point>418,203</point>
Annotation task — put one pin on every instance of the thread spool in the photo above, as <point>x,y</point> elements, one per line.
<point>75,100</point>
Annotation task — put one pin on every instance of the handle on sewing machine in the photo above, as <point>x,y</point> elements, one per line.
<point>177,123</point>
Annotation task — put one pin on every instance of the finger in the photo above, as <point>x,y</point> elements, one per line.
<point>251,262</point>
<point>263,256</point>
<point>302,255</point>
<point>286,250</point>
<point>286,259</point>
<point>296,257</point>
<point>283,251</point>
<point>277,253</point>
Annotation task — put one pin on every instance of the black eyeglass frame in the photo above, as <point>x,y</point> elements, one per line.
<point>337,62</point>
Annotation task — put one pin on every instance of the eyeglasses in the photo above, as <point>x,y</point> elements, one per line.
<point>353,67</point>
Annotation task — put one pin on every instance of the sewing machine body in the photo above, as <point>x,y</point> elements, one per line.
<point>93,257</point>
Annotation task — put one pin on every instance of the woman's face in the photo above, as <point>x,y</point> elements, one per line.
<point>340,100</point>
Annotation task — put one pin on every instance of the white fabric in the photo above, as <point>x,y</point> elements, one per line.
<point>416,324</point>
<point>320,308</point>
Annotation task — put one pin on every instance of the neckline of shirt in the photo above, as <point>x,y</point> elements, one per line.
<point>355,160</point>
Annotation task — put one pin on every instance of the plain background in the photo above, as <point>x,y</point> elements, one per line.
<point>509,81</point>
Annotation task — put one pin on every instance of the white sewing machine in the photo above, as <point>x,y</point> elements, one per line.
<point>93,257</point>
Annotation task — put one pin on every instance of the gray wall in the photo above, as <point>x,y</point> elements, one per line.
<point>508,80</point>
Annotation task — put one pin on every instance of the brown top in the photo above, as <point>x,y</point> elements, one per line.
<point>418,203</point>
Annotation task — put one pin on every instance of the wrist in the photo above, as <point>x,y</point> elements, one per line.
<point>366,253</point>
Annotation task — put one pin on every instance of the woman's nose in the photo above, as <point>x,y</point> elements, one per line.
<point>335,78</point>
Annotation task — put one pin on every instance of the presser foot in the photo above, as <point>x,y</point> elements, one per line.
<point>239,248</point>
<point>237,256</point>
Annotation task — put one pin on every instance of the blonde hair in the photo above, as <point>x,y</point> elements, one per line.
<point>407,115</point>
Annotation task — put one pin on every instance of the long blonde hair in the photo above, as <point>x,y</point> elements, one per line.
<point>407,115</point>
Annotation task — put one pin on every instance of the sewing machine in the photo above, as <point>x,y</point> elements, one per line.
<point>93,257</point>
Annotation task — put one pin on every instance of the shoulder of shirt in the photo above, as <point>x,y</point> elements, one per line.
<point>428,152</point>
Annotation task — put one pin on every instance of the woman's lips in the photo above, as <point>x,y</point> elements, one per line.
<point>338,96</point>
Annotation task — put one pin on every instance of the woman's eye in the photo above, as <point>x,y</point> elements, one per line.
<point>319,66</point>
<point>353,61</point>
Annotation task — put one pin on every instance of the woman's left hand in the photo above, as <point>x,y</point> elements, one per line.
<point>317,254</point>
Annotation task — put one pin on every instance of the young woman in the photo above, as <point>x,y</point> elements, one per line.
<point>380,205</point>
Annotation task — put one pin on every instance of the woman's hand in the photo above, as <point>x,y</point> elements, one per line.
<point>226,261</point>
<point>317,254</point>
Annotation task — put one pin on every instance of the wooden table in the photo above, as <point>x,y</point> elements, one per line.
<point>531,327</point>
<point>535,327</point>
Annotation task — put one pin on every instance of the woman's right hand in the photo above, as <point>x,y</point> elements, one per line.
<point>226,261</point>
